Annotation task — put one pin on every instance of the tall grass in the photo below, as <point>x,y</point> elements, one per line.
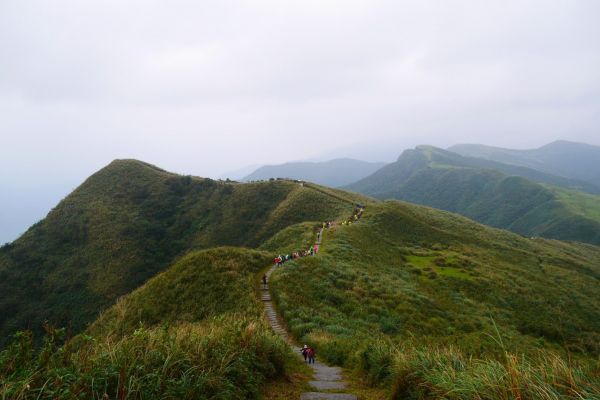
<point>415,371</point>
<point>445,373</point>
<point>405,297</point>
<point>224,358</point>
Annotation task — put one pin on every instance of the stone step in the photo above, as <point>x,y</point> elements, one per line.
<point>327,396</point>
<point>328,385</point>
<point>328,377</point>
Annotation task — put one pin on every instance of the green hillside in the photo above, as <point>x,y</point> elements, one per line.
<point>419,302</point>
<point>447,181</point>
<point>200,285</point>
<point>437,306</point>
<point>128,222</point>
<point>194,331</point>
<point>572,160</point>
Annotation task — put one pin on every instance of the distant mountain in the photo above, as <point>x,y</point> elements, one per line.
<point>334,173</point>
<point>572,160</point>
<point>489,192</point>
<point>128,222</point>
<point>238,174</point>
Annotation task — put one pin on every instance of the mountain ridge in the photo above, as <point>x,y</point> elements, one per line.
<point>129,221</point>
<point>333,173</point>
<point>573,160</point>
<point>417,302</point>
<point>482,190</point>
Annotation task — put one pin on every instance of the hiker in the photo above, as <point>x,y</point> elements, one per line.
<point>264,281</point>
<point>310,353</point>
<point>304,352</point>
<point>315,249</point>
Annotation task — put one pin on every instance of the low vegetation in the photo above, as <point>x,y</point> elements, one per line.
<point>203,284</point>
<point>125,224</point>
<point>221,358</point>
<point>418,299</point>
<point>419,303</point>
<point>194,331</point>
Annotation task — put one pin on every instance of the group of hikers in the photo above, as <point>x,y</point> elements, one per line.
<point>358,212</point>
<point>280,260</point>
<point>309,354</point>
<point>327,224</point>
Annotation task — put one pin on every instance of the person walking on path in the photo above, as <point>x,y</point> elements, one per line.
<point>305,352</point>
<point>264,281</point>
<point>310,353</point>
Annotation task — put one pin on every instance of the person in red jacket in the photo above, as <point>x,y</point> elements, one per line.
<point>310,353</point>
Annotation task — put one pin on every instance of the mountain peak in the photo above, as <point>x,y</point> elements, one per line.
<point>127,163</point>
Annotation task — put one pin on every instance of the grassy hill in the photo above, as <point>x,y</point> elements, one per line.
<point>128,222</point>
<point>194,331</point>
<point>572,160</point>
<point>438,306</point>
<point>202,284</point>
<point>471,187</point>
<point>426,303</point>
<point>333,173</point>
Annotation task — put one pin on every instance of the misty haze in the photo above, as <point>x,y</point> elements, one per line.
<point>336,199</point>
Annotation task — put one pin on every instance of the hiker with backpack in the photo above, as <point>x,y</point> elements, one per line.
<point>264,281</point>
<point>304,352</point>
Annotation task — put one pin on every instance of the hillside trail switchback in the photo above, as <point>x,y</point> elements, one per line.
<point>328,382</point>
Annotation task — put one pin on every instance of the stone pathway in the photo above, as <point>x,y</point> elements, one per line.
<point>326,378</point>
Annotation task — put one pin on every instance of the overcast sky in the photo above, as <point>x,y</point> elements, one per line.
<point>204,87</point>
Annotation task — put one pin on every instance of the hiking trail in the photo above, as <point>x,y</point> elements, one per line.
<point>328,383</point>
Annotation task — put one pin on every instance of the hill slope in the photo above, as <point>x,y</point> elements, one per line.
<point>334,173</point>
<point>572,160</point>
<point>428,303</point>
<point>482,190</point>
<point>194,331</point>
<point>200,285</point>
<point>411,294</point>
<point>129,221</point>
